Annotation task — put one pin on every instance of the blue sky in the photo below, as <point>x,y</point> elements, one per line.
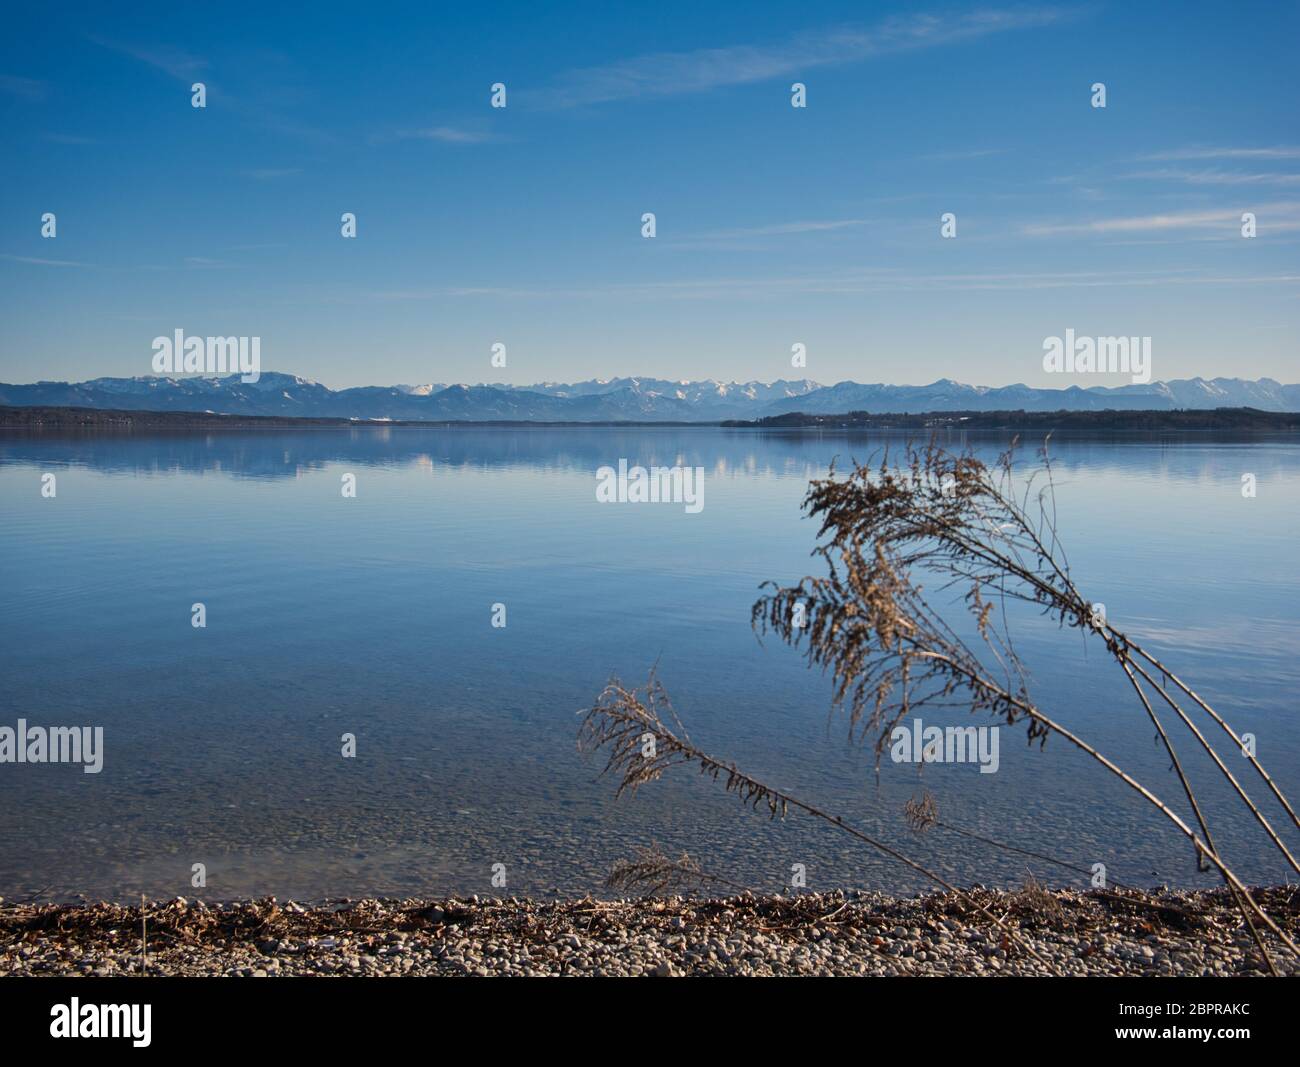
<point>775,225</point>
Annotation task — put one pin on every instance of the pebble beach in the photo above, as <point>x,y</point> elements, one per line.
<point>982,932</point>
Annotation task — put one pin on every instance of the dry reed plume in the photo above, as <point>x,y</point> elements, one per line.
<point>992,537</point>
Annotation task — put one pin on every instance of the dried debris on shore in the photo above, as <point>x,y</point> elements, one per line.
<point>1165,932</point>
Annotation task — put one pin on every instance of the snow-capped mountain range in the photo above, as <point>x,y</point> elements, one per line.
<point>630,399</point>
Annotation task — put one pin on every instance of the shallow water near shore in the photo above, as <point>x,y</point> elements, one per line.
<point>372,616</point>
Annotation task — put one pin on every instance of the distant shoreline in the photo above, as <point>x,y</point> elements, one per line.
<point>1235,420</point>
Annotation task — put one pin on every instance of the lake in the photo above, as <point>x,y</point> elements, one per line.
<point>372,616</point>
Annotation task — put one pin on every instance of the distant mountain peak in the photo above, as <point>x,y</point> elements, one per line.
<point>636,398</point>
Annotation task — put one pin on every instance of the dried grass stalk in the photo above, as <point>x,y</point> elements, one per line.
<point>979,530</point>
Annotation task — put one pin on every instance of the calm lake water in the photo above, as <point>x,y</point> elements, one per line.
<point>372,616</point>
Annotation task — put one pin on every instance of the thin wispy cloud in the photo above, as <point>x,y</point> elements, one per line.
<point>781,228</point>
<point>186,67</point>
<point>23,88</point>
<point>176,62</point>
<point>207,263</point>
<point>957,157</point>
<point>1272,216</point>
<point>267,174</point>
<point>38,262</point>
<point>71,139</point>
<point>752,238</point>
<point>1218,177</point>
<point>1279,152</point>
<point>849,283</point>
<point>445,134</point>
<point>664,74</point>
